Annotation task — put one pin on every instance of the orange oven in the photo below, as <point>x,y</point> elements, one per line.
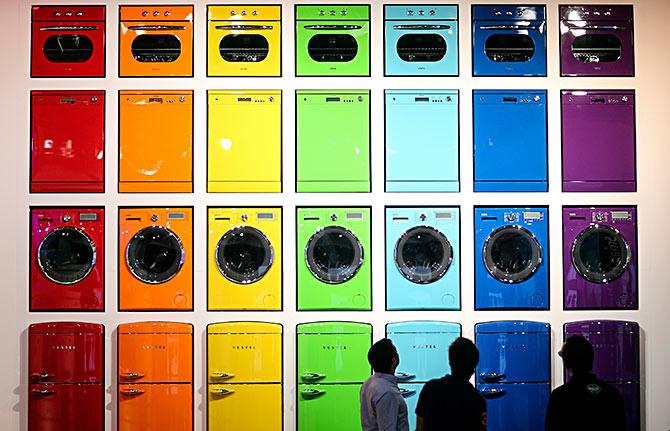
<point>156,40</point>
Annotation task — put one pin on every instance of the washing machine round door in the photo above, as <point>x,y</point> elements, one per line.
<point>423,254</point>
<point>334,254</point>
<point>66,255</point>
<point>155,255</point>
<point>512,254</point>
<point>244,255</point>
<point>600,254</point>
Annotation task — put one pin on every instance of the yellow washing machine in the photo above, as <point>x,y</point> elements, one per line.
<point>244,264</point>
<point>244,141</point>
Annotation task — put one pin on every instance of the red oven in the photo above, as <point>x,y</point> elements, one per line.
<point>68,41</point>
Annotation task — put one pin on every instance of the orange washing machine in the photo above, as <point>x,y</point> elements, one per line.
<point>156,141</point>
<point>155,259</point>
<point>155,376</point>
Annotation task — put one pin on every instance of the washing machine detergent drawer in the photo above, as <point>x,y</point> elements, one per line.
<point>516,406</point>
<point>245,407</point>
<point>329,407</point>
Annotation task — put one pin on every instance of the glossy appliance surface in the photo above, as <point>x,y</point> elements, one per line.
<point>420,40</point>
<point>423,258</point>
<point>600,258</point>
<point>511,258</point>
<point>244,141</point>
<point>510,125</point>
<point>598,140</point>
<point>333,140</point>
<point>155,259</point>
<point>244,259</point>
<point>421,136</point>
<point>67,259</point>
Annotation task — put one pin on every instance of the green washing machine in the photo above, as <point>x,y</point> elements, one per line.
<point>334,259</point>
<point>333,140</point>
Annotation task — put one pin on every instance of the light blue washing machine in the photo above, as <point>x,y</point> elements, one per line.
<point>423,347</point>
<point>423,258</point>
<point>422,137</point>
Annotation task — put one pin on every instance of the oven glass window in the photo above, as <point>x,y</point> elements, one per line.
<point>600,254</point>
<point>244,255</point>
<point>596,48</point>
<point>423,255</point>
<point>512,254</point>
<point>156,48</point>
<point>509,48</point>
<point>244,48</point>
<point>421,47</point>
<point>337,48</point>
<point>334,255</point>
<point>66,255</point>
<point>155,255</point>
<point>68,48</point>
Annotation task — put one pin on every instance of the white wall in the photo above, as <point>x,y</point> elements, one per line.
<point>653,198</point>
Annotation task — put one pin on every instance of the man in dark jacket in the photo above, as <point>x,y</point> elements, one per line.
<point>584,403</point>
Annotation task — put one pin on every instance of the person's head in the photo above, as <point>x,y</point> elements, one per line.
<point>383,356</point>
<point>577,354</point>
<point>463,357</point>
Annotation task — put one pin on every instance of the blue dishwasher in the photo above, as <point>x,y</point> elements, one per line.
<point>423,347</point>
<point>514,373</point>
<point>510,140</point>
<point>421,141</point>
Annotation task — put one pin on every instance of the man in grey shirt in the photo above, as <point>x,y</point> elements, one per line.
<point>382,405</point>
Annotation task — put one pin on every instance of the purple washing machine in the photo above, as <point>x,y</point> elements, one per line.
<point>616,345</point>
<point>598,132</point>
<point>600,258</point>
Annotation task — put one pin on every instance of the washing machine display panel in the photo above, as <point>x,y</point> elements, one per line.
<point>600,254</point>
<point>244,255</point>
<point>423,254</point>
<point>66,255</point>
<point>512,254</point>
<point>155,255</point>
<point>334,255</point>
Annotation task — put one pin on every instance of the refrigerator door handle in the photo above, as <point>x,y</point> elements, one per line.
<point>407,392</point>
<point>132,376</point>
<point>492,377</point>
<point>404,376</point>
<point>42,376</point>
<point>311,393</point>
<point>312,377</point>
<point>42,392</point>
<point>221,376</point>
<point>221,391</point>
<point>492,393</point>
<point>132,392</point>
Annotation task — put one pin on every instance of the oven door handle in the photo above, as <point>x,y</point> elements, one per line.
<point>596,27</point>
<point>332,27</point>
<point>69,28</point>
<point>244,27</point>
<point>508,27</point>
<point>421,27</point>
<point>156,27</point>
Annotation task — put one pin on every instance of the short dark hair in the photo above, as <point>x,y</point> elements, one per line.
<point>577,354</point>
<point>381,354</point>
<point>463,357</point>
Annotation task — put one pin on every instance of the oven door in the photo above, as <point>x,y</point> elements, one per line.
<point>237,49</point>
<point>341,49</point>
<point>604,48</point>
<point>509,49</point>
<point>74,49</point>
<point>421,49</point>
<point>156,49</point>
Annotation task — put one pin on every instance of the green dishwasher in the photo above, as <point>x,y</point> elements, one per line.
<point>333,141</point>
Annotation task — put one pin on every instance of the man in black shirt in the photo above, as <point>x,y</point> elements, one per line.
<point>584,403</point>
<point>451,402</point>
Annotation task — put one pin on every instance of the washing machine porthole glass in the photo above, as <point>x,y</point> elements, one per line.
<point>66,255</point>
<point>68,48</point>
<point>332,48</point>
<point>244,48</point>
<point>155,255</point>
<point>334,254</point>
<point>430,47</point>
<point>600,254</point>
<point>512,254</point>
<point>244,255</point>
<point>509,48</point>
<point>423,254</point>
<point>156,48</point>
<point>596,48</point>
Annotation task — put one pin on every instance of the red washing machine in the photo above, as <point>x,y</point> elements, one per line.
<point>67,141</point>
<point>67,258</point>
<point>68,41</point>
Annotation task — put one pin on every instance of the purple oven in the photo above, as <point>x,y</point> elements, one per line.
<point>598,132</point>
<point>616,344</point>
<point>597,40</point>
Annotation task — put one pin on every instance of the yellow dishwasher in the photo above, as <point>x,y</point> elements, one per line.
<point>245,376</point>
<point>244,141</point>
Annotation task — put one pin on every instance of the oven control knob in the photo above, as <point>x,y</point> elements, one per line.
<point>596,12</point>
<point>343,12</point>
<point>421,12</point>
<point>410,12</point>
<point>67,218</point>
<point>56,13</point>
<point>233,13</point>
<point>536,98</point>
<point>333,217</point>
<point>608,12</point>
<point>624,98</point>
<point>244,12</point>
<point>322,12</point>
<point>431,12</point>
<point>156,13</point>
<point>511,217</point>
<point>498,13</point>
<point>519,12</point>
<point>68,13</point>
<point>244,217</point>
<point>80,13</point>
<point>509,12</point>
<point>332,12</point>
<point>254,13</point>
<point>145,13</point>
<point>167,13</point>
<point>154,218</point>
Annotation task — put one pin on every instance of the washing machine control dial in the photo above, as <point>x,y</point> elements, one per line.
<point>154,218</point>
<point>600,217</point>
<point>423,217</point>
<point>333,217</point>
<point>67,218</point>
<point>244,217</point>
<point>511,217</point>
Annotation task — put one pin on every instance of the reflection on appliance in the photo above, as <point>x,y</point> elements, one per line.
<point>66,369</point>
<point>421,40</point>
<point>244,41</point>
<point>332,40</point>
<point>423,347</point>
<point>600,258</point>
<point>155,259</point>
<point>511,258</point>
<point>514,373</point>
<point>423,258</point>
<point>155,376</point>
<point>244,141</point>
<point>67,259</point>
<point>597,40</point>
<point>244,363</point>
<point>616,345</point>
<point>422,141</point>
<point>68,41</point>
<point>598,137</point>
<point>245,259</point>
<point>156,41</point>
<point>331,366</point>
<point>334,259</point>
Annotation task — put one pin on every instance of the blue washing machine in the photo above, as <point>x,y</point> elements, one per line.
<point>423,258</point>
<point>514,373</point>
<point>421,134</point>
<point>511,258</point>
<point>423,347</point>
<point>510,140</point>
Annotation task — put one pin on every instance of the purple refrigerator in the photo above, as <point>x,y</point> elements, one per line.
<point>616,344</point>
<point>598,140</point>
